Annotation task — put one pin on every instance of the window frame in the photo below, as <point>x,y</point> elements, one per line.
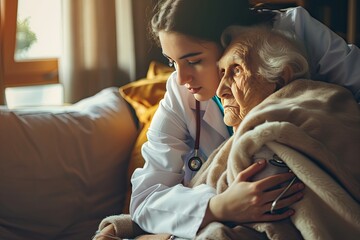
<point>22,73</point>
<point>2,88</point>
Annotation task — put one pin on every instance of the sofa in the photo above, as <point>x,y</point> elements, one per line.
<point>64,168</point>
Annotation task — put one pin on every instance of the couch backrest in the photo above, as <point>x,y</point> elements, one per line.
<point>63,169</point>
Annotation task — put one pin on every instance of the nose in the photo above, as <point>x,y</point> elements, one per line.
<point>224,88</point>
<point>183,75</point>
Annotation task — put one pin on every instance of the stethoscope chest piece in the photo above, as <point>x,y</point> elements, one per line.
<point>195,163</point>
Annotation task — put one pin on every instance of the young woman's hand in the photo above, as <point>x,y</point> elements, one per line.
<point>246,201</point>
<point>106,233</point>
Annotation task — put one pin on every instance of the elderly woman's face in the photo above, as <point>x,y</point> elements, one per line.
<point>241,87</point>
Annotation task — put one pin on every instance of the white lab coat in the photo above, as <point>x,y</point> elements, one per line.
<point>171,138</point>
<point>160,203</point>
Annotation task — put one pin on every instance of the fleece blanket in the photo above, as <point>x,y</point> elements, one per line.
<point>314,127</point>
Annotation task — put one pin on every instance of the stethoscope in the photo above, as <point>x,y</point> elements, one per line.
<point>195,162</point>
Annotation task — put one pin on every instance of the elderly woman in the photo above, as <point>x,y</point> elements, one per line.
<point>280,115</point>
<point>258,63</point>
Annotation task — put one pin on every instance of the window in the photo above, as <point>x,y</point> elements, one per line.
<point>35,37</point>
<point>30,42</point>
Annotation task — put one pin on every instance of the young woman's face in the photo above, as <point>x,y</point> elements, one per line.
<point>195,62</point>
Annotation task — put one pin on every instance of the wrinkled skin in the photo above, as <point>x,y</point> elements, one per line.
<point>241,87</point>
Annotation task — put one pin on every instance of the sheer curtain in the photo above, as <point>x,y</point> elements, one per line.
<point>98,46</point>
<point>105,43</point>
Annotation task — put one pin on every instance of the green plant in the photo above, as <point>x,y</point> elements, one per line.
<point>25,37</point>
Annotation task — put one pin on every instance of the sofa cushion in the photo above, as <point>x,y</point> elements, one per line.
<point>63,169</point>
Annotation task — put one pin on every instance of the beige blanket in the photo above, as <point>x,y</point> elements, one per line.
<point>315,128</point>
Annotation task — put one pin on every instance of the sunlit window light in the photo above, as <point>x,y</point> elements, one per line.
<point>38,29</point>
<point>30,96</point>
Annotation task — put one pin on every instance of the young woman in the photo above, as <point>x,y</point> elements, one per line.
<point>189,34</point>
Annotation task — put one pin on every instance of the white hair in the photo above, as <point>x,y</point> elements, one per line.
<point>276,50</point>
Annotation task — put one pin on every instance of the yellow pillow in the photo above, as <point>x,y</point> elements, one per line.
<point>144,96</point>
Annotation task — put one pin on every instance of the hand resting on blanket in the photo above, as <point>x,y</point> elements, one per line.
<point>274,165</point>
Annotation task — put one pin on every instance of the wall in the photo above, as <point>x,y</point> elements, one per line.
<point>335,14</point>
<point>145,49</point>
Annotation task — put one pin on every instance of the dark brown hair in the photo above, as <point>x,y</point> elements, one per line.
<point>203,19</point>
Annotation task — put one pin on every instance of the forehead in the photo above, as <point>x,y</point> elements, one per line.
<point>168,38</point>
<point>176,45</point>
<point>237,51</point>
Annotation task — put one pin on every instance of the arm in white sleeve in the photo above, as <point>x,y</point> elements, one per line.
<point>331,58</point>
<point>160,203</point>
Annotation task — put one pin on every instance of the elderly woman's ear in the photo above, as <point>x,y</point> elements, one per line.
<point>286,77</point>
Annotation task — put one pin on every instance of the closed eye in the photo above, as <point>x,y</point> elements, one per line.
<point>194,62</point>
